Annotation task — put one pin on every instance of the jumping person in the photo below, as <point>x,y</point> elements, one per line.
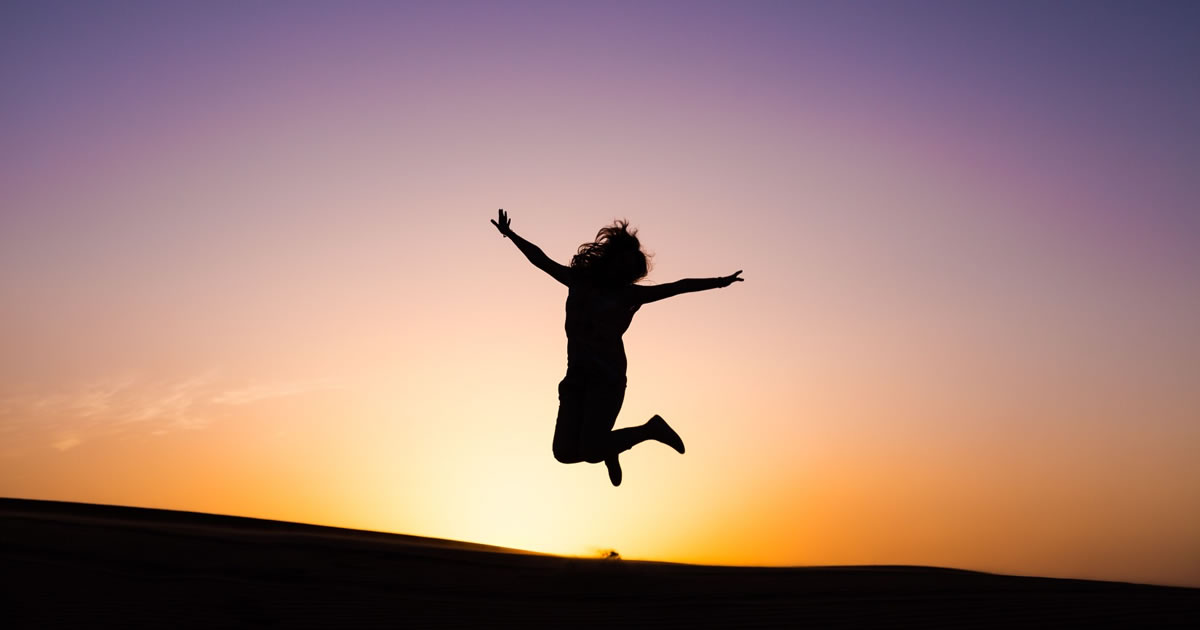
<point>601,300</point>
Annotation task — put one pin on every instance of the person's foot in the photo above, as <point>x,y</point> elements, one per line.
<point>614,470</point>
<point>661,431</point>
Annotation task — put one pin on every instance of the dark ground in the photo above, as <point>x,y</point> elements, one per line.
<point>78,565</point>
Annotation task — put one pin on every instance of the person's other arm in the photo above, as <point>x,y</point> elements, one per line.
<point>562,273</point>
<point>654,293</point>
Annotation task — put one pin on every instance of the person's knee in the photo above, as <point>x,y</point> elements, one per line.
<point>592,454</point>
<point>565,454</point>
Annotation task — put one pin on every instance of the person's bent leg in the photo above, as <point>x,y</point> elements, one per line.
<point>568,426</point>
<point>622,440</point>
<point>659,430</point>
<point>655,429</point>
<point>603,402</point>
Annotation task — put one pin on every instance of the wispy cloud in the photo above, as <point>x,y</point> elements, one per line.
<point>264,391</point>
<point>66,443</point>
<point>67,419</point>
<point>178,403</point>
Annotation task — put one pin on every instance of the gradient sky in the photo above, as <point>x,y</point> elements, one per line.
<point>246,267</point>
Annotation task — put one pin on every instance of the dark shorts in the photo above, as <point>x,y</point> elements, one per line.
<point>588,405</point>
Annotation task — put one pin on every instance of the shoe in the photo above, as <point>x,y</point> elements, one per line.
<point>661,431</point>
<point>614,470</point>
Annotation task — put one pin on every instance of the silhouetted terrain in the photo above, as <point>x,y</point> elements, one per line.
<point>79,565</point>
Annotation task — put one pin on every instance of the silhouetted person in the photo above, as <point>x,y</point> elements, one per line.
<point>601,300</point>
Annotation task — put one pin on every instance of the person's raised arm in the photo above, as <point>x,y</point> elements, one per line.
<point>562,273</point>
<point>654,293</point>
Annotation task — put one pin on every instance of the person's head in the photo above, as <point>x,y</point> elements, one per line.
<point>615,258</point>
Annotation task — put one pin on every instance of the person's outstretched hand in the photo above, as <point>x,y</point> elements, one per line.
<point>725,281</point>
<point>502,223</point>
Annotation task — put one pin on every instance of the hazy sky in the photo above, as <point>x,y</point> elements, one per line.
<point>246,267</point>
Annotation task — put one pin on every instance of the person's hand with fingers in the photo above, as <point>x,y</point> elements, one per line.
<point>502,223</point>
<point>725,281</point>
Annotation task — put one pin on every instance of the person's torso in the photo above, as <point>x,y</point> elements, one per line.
<point>596,320</point>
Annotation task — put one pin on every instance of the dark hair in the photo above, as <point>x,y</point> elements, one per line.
<point>615,258</point>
